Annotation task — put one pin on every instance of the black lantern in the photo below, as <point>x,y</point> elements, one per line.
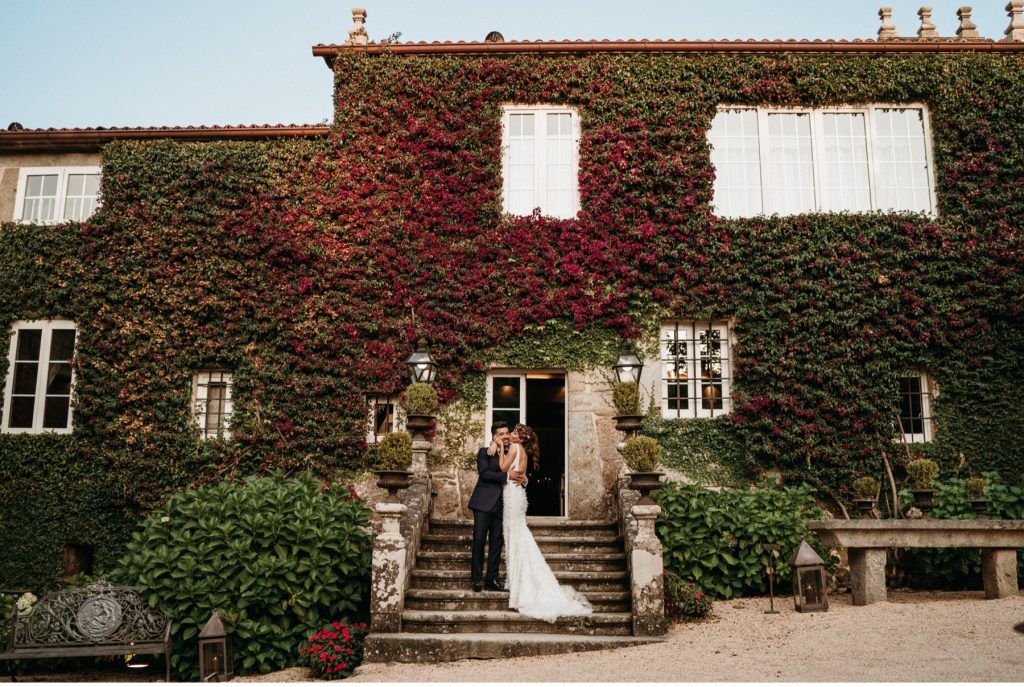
<point>422,366</point>
<point>808,580</point>
<point>628,366</point>
<point>215,661</point>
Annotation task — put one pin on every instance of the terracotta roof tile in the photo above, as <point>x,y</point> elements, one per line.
<point>91,138</point>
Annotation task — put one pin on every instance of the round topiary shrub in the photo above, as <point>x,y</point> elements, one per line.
<point>922,472</point>
<point>277,558</point>
<point>975,487</point>
<point>394,452</point>
<point>865,488</point>
<point>641,454</point>
<point>420,399</point>
<point>626,398</point>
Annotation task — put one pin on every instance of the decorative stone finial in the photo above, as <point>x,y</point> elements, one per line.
<point>927,29</point>
<point>1015,10</point>
<point>968,29</point>
<point>357,34</point>
<point>887,30</point>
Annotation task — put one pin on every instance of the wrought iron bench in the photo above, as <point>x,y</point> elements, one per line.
<point>99,619</point>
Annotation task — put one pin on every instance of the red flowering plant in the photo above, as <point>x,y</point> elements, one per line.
<point>685,599</point>
<point>335,651</point>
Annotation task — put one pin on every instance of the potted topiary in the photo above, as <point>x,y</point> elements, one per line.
<point>641,455</point>
<point>976,495</point>
<point>865,493</point>
<point>394,456</point>
<point>921,473</point>
<point>626,399</point>
<point>420,402</point>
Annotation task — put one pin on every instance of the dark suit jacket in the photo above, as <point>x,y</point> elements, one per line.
<point>487,494</point>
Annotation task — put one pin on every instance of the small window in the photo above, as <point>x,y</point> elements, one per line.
<point>695,369</point>
<point>48,195</point>
<point>211,401</point>
<point>540,160</point>
<point>380,417</point>
<point>40,377</point>
<point>916,421</point>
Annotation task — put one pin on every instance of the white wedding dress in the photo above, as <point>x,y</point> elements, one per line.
<point>533,589</point>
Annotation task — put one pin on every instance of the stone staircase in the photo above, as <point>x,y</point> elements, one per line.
<point>444,620</point>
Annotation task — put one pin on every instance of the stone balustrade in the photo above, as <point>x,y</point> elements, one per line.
<point>645,561</point>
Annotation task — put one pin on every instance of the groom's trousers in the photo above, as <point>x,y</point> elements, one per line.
<point>487,525</point>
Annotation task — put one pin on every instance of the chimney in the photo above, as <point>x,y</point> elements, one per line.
<point>1015,31</point>
<point>927,29</point>
<point>968,29</point>
<point>357,34</point>
<point>887,31</point>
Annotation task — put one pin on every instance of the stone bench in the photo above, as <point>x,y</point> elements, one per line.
<point>867,540</point>
<point>99,619</point>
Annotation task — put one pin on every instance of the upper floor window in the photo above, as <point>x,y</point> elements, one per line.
<point>211,402</point>
<point>695,369</point>
<point>47,195</point>
<point>540,160</point>
<point>916,421</point>
<point>37,396</point>
<point>775,161</point>
<point>380,417</point>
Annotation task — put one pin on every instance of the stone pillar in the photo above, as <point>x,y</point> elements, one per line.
<point>646,577</point>
<point>1015,31</point>
<point>928,29</point>
<point>387,586</point>
<point>867,575</point>
<point>967,29</point>
<point>887,30</point>
<point>999,572</point>
<point>419,456</point>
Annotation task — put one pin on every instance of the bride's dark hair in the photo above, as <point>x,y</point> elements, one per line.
<point>530,444</point>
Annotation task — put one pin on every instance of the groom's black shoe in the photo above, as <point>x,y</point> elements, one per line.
<point>494,586</point>
<point>478,586</point>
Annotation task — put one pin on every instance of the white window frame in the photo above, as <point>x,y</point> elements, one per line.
<point>47,327</point>
<point>928,394</point>
<point>62,174</point>
<point>540,155</point>
<point>818,148</point>
<point>372,401</point>
<point>201,382</point>
<point>694,394</point>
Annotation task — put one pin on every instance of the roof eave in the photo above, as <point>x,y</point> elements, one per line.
<point>91,140</point>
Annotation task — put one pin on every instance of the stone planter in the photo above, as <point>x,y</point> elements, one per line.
<point>866,507</point>
<point>924,499</point>
<point>628,423</point>
<point>645,483</point>
<point>980,508</point>
<point>419,425</point>
<point>393,480</point>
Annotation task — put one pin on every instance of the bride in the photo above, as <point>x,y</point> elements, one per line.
<point>533,589</point>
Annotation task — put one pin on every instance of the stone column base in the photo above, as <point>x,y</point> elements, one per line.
<point>867,575</point>
<point>999,572</point>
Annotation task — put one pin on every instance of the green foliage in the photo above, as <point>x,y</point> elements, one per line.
<point>394,451</point>
<point>626,398</point>
<point>975,487</point>
<point>277,558</point>
<point>641,454</point>
<point>865,488</point>
<point>922,473</point>
<point>556,343</point>
<point>685,599</point>
<point>335,651</point>
<point>420,399</point>
<point>715,538</point>
<point>711,451</point>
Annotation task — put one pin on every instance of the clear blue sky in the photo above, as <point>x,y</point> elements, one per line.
<point>78,63</point>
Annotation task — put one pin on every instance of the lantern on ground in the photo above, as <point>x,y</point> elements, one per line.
<point>422,366</point>
<point>215,664</point>
<point>808,580</point>
<point>628,366</point>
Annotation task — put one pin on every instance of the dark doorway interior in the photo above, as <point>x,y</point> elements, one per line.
<point>545,412</point>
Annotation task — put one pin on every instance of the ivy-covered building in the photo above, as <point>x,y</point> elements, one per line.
<point>815,246</point>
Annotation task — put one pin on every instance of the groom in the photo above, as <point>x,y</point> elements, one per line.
<point>487,504</point>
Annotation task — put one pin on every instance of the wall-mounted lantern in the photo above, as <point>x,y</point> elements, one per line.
<point>215,660</point>
<point>422,366</point>
<point>808,580</point>
<point>628,366</point>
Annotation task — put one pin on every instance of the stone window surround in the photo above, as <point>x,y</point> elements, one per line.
<point>62,174</point>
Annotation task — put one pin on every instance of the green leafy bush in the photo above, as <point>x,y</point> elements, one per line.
<point>922,473</point>
<point>975,487</point>
<point>335,651</point>
<point>685,599</point>
<point>641,454</point>
<point>865,488</point>
<point>420,399</point>
<point>394,452</point>
<point>715,539</point>
<point>276,557</point>
<point>626,398</point>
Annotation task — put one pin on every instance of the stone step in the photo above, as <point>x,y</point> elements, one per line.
<point>467,600</point>
<point>620,624</point>
<point>547,544</point>
<point>409,647</point>
<point>539,526</point>
<point>577,562</point>
<point>582,581</point>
